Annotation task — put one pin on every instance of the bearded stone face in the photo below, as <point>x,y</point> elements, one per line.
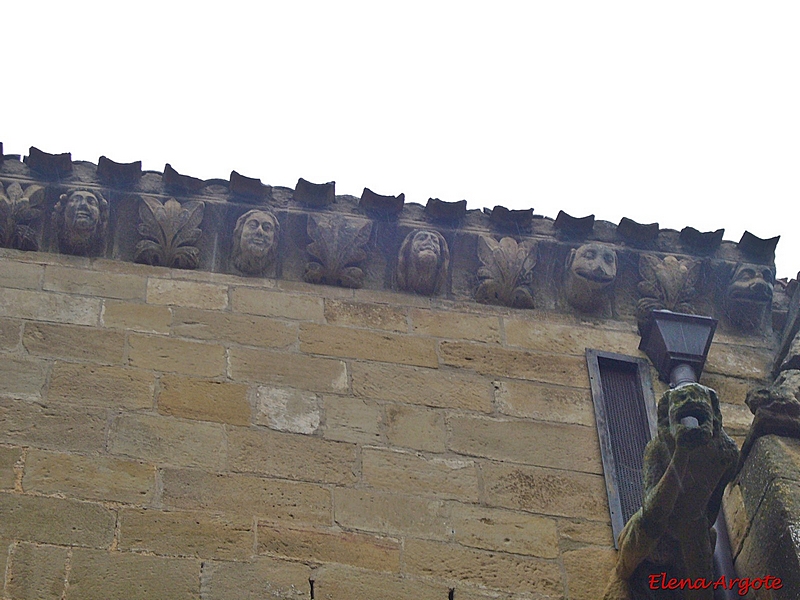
<point>423,262</point>
<point>255,239</point>
<point>82,212</point>
<point>81,218</point>
<point>425,247</point>
<point>258,233</point>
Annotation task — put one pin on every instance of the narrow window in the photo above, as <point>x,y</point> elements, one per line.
<point>625,412</point>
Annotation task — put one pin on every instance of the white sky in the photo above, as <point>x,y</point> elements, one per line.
<point>685,113</point>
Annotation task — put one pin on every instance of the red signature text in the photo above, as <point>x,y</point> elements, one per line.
<point>742,585</point>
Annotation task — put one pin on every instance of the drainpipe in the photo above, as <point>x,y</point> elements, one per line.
<point>677,345</point>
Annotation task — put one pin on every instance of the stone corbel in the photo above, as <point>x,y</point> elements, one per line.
<point>336,250</point>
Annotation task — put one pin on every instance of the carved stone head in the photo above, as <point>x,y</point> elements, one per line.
<point>423,262</point>
<point>749,294</point>
<point>255,240</point>
<point>589,270</point>
<point>690,401</point>
<point>81,219</point>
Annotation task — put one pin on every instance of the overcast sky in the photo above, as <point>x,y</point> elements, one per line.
<point>684,113</point>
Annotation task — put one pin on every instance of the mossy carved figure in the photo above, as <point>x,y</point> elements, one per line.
<point>686,468</point>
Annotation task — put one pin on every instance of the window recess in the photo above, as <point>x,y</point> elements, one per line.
<point>625,413</point>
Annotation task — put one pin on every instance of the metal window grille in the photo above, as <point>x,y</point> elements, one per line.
<point>625,412</point>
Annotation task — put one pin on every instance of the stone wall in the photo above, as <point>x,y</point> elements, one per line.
<point>186,434</point>
<point>231,429</point>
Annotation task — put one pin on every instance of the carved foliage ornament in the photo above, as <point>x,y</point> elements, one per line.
<point>81,220</point>
<point>423,263</point>
<point>667,284</point>
<point>18,209</point>
<point>506,273</point>
<point>336,251</point>
<point>170,231</point>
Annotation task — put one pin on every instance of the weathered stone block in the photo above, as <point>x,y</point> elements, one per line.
<point>407,472</point>
<point>146,318</point>
<point>441,388</point>
<point>370,316</point>
<point>337,582</point>
<point>102,575</point>
<point>576,533</point>
<point>55,521</point>
<point>286,409</point>
<point>351,420</point>
<point>52,426</point>
<point>766,508</point>
<point>549,337</point>
<point>94,283</point>
<point>557,445</point>
<point>231,327</point>
<point>587,571</point>
<point>5,548</point>
<point>168,354</point>
<point>37,572</point>
<point>770,547</point>
<point>415,427</point>
<point>188,294</point>
<point>471,593</point>
<point>453,325</point>
<point>739,361</point>
<point>736,418</point>
<point>271,499</point>
<point>9,333</point>
<point>204,400</point>
<point>736,517</point>
<point>355,549</point>
<point>529,400</point>
<point>182,533</point>
<point>291,456</point>
<point>369,345</point>
<point>504,530</point>
<point>168,441</point>
<point>478,567</point>
<point>43,306</point>
<point>89,477</point>
<point>8,458</point>
<point>20,275</point>
<point>292,370</point>
<point>69,341</point>
<point>21,377</point>
<point>546,491</point>
<point>256,301</point>
<point>391,513</point>
<point>263,577</point>
<point>730,389</point>
<point>96,385</point>
<point>519,364</point>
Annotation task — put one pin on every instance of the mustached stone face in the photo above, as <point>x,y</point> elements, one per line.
<point>753,283</point>
<point>596,263</point>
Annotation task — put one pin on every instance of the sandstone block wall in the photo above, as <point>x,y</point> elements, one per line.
<point>182,435</point>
